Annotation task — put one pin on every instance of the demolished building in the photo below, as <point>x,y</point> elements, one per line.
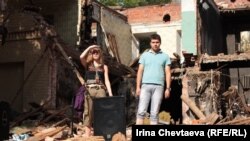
<point>212,84</point>
<point>40,68</point>
<point>219,82</point>
<point>30,66</point>
<point>34,70</point>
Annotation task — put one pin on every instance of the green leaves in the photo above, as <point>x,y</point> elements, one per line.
<point>133,3</point>
<point>109,2</point>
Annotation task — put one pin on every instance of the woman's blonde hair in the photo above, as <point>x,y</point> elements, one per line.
<point>89,58</point>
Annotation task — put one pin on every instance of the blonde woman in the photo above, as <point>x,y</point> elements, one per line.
<point>97,82</point>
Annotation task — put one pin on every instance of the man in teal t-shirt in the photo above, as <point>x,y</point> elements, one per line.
<point>153,73</point>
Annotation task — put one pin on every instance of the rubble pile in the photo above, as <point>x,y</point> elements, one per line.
<point>41,123</point>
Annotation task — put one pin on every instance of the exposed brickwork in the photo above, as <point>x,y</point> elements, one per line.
<point>149,19</point>
<point>25,45</point>
<point>19,49</point>
<point>28,52</point>
<point>65,14</point>
<point>154,13</point>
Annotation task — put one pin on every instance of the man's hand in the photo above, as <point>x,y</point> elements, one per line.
<point>138,91</point>
<point>167,93</point>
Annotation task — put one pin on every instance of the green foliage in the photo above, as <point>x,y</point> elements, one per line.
<point>132,3</point>
<point>152,2</point>
<point>109,2</point>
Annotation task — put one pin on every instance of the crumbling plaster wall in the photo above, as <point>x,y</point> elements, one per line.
<point>122,31</point>
<point>167,31</point>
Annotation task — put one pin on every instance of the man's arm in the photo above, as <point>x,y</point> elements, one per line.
<point>168,76</point>
<point>168,81</point>
<point>139,79</point>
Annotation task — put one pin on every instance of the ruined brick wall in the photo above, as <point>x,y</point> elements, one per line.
<point>153,13</point>
<point>19,56</point>
<point>149,19</point>
<point>24,46</point>
<point>64,15</point>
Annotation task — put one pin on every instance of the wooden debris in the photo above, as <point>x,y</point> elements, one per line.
<point>113,46</point>
<point>27,115</point>
<point>20,130</point>
<point>44,131</point>
<point>91,138</point>
<point>212,118</point>
<point>245,122</point>
<point>80,78</point>
<point>54,114</point>
<point>235,121</point>
<point>225,58</point>
<point>228,61</point>
<point>60,122</point>
<point>223,120</point>
<point>134,62</point>
<point>48,132</point>
<point>106,41</point>
<point>243,102</point>
<point>193,107</point>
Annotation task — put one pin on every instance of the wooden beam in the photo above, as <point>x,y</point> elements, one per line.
<point>235,121</point>
<point>212,118</point>
<point>80,78</point>
<point>42,136</point>
<point>193,107</point>
<point>54,114</point>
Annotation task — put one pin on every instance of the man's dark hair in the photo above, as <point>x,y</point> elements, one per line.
<point>155,37</point>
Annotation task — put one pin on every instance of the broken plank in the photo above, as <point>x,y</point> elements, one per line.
<point>54,114</point>
<point>245,122</point>
<point>235,121</point>
<point>60,122</point>
<point>193,107</point>
<point>91,138</point>
<point>212,118</point>
<point>115,48</point>
<point>42,136</point>
<point>27,115</point>
<point>106,41</point>
<point>80,78</point>
<point>109,38</point>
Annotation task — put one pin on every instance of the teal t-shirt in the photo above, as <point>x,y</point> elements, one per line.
<point>154,67</point>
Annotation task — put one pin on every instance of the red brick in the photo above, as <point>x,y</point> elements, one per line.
<point>153,13</point>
